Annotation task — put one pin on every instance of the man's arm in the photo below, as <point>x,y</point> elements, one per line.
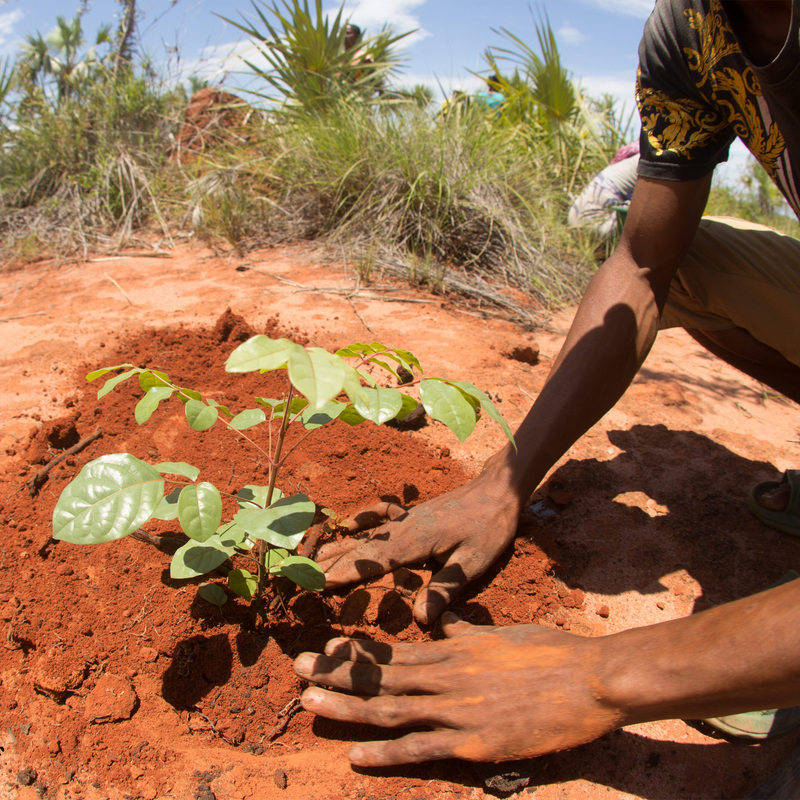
<point>612,333</point>
<point>495,694</point>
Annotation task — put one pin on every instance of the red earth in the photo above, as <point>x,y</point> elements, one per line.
<point>118,682</point>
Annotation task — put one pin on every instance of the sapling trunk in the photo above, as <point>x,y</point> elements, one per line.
<point>274,466</point>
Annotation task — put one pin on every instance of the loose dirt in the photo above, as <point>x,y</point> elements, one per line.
<point>117,682</point>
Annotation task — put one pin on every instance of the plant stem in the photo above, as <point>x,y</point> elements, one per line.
<point>274,466</point>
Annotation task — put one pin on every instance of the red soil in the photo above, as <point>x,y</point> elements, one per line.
<point>116,681</point>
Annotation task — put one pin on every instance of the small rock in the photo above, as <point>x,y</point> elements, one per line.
<point>27,777</point>
<point>604,612</point>
<point>148,654</point>
<point>559,493</point>
<point>112,699</point>
<point>58,673</point>
<point>660,605</point>
<point>280,779</point>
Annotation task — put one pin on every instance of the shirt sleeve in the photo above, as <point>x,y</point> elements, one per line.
<point>684,135</point>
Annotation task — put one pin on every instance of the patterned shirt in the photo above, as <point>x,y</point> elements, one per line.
<point>696,92</point>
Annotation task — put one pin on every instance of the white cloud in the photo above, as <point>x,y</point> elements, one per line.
<point>570,34</point>
<point>622,86</point>
<point>7,22</point>
<point>634,8</point>
<point>373,15</point>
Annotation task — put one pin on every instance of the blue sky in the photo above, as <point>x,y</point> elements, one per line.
<point>598,39</point>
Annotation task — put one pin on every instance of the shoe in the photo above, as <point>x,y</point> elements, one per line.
<point>759,725</point>
<point>787,521</point>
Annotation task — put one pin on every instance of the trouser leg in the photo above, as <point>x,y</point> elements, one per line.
<point>738,294</point>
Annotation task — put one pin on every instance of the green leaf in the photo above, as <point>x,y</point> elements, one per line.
<point>111,497</point>
<point>248,418</point>
<point>152,377</point>
<point>311,419</point>
<point>348,352</point>
<point>409,405</point>
<point>352,384</point>
<point>168,507</point>
<point>200,416</point>
<point>275,557</point>
<point>356,350</point>
<point>149,403</point>
<point>488,406</point>
<point>256,495</point>
<point>295,407</point>
<point>316,374</point>
<point>243,583</point>
<point>385,366</point>
<point>232,536</point>
<point>260,353</point>
<point>264,401</point>
<point>213,593</point>
<point>200,510</point>
<point>406,360</point>
<point>98,373</point>
<point>178,468</point>
<point>381,406</point>
<point>283,524</point>
<point>184,395</point>
<point>197,558</point>
<point>303,571</point>
<point>224,409</point>
<point>351,417</point>
<point>112,383</point>
<point>447,404</point>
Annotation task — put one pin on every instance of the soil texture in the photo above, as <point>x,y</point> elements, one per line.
<point>118,682</point>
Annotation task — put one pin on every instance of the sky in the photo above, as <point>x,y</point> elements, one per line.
<point>598,39</point>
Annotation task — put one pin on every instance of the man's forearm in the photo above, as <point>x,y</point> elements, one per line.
<point>612,333</point>
<point>742,656</point>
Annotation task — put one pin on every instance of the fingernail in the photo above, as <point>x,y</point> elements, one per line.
<point>431,611</point>
<point>335,645</point>
<point>310,698</point>
<point>356,755</point>
<point>304,664</point>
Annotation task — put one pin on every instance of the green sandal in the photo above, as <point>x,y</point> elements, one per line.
<point>759,725</point>
<point>787,521</point>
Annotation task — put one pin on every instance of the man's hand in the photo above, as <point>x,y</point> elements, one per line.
<point>465,529</point>
<point>490,694</point>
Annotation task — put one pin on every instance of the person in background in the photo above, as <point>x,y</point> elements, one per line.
<point>599,205</point>
<point>352,37</point>
<point>492,98</point>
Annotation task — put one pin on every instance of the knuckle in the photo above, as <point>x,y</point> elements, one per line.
<point>385,711</point>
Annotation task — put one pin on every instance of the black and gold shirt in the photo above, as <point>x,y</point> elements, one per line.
<point>697,91</point>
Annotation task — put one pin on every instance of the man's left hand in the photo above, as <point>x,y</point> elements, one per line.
<point>488,693</point>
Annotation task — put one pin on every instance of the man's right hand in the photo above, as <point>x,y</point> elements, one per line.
<point>465,530</point>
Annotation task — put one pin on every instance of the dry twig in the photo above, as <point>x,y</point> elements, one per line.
<point>124,293</point>
<point>38,479</point>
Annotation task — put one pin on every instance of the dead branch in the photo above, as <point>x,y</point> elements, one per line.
<point>38,479</point>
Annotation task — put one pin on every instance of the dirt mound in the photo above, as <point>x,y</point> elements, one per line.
<point>212,117</point>
<point>110,669</point>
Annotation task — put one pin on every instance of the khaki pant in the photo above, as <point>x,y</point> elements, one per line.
<point>739,275</point>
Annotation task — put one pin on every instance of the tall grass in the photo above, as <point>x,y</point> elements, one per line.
<point>473,202</point>
<point>87,166</point>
